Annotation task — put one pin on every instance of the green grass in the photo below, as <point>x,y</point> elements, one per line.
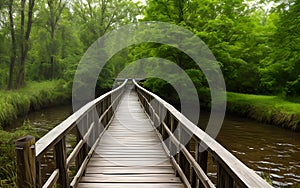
<point>269,109</point>
<point>274,102</point>
<point>34,96</point>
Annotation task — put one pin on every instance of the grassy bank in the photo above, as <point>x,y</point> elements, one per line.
<point>13,104</point>
<point>34,96</point>
<point>268,109</point>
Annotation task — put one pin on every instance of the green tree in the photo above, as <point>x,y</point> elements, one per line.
<point>281,68</point>
<point>95,18</point>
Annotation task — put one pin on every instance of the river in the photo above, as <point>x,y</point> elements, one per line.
<point>264,148</point>
<point>267,149</point>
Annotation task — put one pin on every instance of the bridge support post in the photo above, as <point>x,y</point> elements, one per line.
<point>26,169</point>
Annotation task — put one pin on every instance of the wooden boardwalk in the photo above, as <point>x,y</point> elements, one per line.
<point>130,153</point>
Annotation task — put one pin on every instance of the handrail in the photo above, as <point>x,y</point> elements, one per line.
<point>90,123</point>
<point>174,126</point>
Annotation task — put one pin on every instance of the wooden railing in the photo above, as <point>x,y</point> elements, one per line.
<point>191,159</point>
<point>87,124</point>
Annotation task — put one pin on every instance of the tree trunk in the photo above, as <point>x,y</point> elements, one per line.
<point>55,14</point>
<point>22,46</point>
<point>13,47</point>
<point>24,39</point>
<point>52,58</point>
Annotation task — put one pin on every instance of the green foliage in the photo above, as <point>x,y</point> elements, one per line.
<point>257,48</point>
<point>163,88</point>
<point>281,68</point>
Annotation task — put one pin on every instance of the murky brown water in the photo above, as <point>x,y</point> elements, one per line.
<point>269,150</point>
<point>45,119</point>
<point>264,148</point>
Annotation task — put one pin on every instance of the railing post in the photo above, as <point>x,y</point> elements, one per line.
<point>26,169</point>
<point>224,179</point>
<point>61,158</point>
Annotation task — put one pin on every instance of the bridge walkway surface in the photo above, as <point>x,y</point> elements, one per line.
<point>130,153</point>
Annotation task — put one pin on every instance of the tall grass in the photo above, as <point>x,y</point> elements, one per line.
<point>34,96</point>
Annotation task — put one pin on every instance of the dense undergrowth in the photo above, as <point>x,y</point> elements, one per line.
<point>34,96</point>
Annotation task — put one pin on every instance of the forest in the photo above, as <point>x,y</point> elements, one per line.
<point>255,42</point>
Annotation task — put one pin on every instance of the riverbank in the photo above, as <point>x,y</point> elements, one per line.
<point>267,109</point>
<point>34,96</point>
<point>17,103</point>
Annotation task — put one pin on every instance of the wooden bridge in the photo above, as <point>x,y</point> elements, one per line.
<point>128,137</point>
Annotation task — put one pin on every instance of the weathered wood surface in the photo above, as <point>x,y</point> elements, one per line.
<point>25,155</point>
<point>130,153</point>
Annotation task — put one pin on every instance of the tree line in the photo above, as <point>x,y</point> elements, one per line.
<point>256,45</point>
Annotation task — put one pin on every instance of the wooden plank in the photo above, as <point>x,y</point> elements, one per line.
<point>130,170</point>
<point>130,179</point>
<point>131,185</point>
<point>131,175</point>
<point>129,163</point>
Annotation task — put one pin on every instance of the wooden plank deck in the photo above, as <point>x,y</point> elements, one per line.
<point>130,153</point>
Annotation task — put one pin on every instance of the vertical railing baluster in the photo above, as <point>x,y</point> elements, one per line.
<point>171,127</point>
<point>195,181</point>
<point>61,157</point>
<point>224,179</point>
<point>202,158</point>
<point>38,173</point>
<point>178,155</point>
